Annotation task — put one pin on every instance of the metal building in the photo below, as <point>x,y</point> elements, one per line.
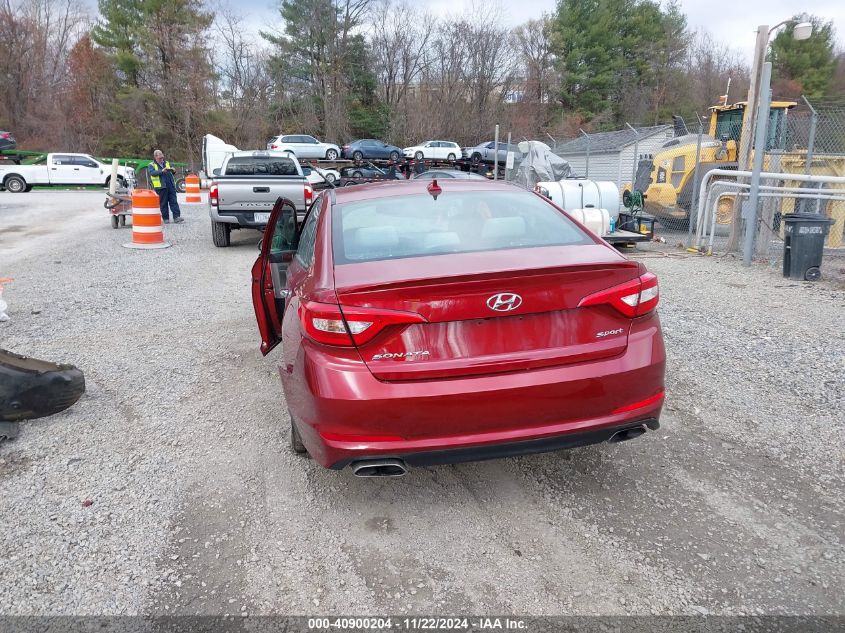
<point>611,154</point>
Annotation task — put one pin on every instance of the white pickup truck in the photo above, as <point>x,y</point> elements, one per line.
<point>63,170</point>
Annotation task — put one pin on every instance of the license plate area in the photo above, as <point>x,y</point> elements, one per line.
<point>261,217</point>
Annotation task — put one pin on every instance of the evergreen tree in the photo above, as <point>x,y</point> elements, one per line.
<point>810,62</point>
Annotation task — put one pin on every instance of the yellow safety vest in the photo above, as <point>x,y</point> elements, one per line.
<point>155,181</point>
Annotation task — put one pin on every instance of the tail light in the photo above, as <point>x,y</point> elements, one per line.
<point>213,196</point>
<point>633,298</point>
<point>329,324</point>
<point>274,146</point>
<point>309,194</point>
<point>5,135</point>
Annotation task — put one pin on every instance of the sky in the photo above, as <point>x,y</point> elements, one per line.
<point>733,22</point>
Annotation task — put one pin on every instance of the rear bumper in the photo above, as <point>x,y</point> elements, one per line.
<point>243,219</point>
<point>504,449</point>
<point>343,413</point>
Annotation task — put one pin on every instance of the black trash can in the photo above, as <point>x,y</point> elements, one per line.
<point>803,245</point>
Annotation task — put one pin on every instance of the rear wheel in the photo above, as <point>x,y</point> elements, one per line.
<point>418,155</point>
<point>476,158</point>
<point>15,184</point>
<point>450,157</point>
<point>220,234</point>
<point>357,155</point>
<point>357,174</point>
<point>181,185</point>
<point>330,177</point>
<point>394,155</point>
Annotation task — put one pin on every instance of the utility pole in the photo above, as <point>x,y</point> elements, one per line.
<point>759,152</point>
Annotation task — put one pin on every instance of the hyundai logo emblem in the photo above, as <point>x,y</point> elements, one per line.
<point>504,302</point>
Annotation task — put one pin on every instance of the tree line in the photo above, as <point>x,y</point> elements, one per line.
<point>161,73</point>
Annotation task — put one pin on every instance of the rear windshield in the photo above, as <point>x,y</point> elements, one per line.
<point>457,222</point>
<point>261,166</point>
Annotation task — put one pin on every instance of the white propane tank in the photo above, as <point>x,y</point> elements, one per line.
<point>596,220</point>
<point>580,193</point>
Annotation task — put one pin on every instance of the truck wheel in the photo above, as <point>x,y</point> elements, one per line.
<point>15,184</point>
<point>220,234</point>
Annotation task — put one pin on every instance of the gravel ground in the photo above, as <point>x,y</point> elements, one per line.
<point>734,506</point>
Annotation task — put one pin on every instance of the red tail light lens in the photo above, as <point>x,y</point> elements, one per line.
<point>309,194</point>
<point>213,196</point>
<point>633,298</point>
<point>330,324</point>
<point>274,146</point>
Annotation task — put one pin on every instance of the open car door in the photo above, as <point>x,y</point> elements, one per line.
<point>269,273</point>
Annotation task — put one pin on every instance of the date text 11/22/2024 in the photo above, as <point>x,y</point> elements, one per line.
<point>416,624</point>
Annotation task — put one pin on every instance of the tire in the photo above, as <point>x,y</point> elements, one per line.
<point>450,157</point>
<point>330,177</point>
<point>115,221</point>
<point>394,156</point>
<point>220,234</point>
<point>418,155</point>
<point>331,154</point>
<point>357,174</point>
<point>15,184</point>
<point>475,158</point>
<point>181,185</point>
<point>296,444</point>
<point>357,155</point>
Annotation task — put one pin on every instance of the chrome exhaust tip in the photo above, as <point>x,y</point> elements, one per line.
<point>627,434</point>
<point>379,468</point>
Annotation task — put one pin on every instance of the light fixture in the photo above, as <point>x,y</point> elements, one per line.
<point>802,30</point>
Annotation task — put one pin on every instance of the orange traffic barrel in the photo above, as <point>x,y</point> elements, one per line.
<point>147,231</point>
<point>192,188</point>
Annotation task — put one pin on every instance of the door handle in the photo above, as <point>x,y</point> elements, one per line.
<point>76,169</point>
<point>261,189</point>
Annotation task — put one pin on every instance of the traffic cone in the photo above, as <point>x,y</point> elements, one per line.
<point>192,188</point>
<point>147,229</point>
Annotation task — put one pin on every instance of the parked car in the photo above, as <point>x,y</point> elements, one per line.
<point>63,170</point>
<point>370,148</point>
<point>431,174</point>
<point>369,170</point>
<point>304,146</point>
<point>427,325</point>
<point>445,150</point>
<point>319,175</point>
<point>486,152</point>
<point>7,141</point>
<point>249,183</point>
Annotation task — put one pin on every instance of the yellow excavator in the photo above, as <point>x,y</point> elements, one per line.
<point>666,179</point>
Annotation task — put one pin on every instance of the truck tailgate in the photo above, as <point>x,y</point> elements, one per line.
<point>250,193</point>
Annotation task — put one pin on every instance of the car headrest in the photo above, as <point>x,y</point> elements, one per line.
<point>378,239</point>
<point>503,228</point>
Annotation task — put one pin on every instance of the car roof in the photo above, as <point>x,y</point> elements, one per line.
<point>387,189</point>
<point>258,153</point>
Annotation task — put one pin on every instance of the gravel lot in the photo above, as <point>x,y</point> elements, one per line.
<point>735,506</point>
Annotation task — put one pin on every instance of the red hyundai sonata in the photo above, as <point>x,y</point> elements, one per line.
<point>424,323</point>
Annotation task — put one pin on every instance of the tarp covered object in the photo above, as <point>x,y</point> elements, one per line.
<point>540,164</point>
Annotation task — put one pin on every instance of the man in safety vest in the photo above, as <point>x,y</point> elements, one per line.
<point>161,179</point>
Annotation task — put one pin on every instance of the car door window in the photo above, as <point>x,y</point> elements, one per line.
<point>62,160</point>
<point>310,139</point>
<point>308,236</point>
